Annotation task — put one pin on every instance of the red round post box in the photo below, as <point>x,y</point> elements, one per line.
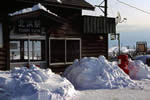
<point>123,63</point>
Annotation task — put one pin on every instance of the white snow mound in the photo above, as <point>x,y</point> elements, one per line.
<point>34,84</point>
<point>138,70</point>
<point>114,51</point>
<point>97,73</point>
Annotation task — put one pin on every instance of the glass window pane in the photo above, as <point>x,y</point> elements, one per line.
<point>26,50</point>
<point>15,50</point>
<point>57,48</point>
<point>73,50</point>
<point>37,50</point>
<point>1,36</point>
<point>34,50</point>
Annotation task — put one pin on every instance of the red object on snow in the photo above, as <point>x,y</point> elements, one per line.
<point>37,65</point>
<point>123,63</point>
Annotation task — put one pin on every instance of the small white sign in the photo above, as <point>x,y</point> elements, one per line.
<point>113,36</point>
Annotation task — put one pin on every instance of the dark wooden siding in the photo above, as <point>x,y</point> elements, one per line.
<point>75,4</point>
<point>93,46</point>
<point>2,59</point>
<point>97,25</point>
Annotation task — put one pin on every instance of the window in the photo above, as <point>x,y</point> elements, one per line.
<point>19,50</point>
<point>73,50</point>
<point>34,50</point>
<point>63,51</point>
<point>15,50</point>
<point>57,51</point>
<point>1,35</point>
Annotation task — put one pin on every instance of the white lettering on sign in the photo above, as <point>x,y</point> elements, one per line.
<point>29,26</point>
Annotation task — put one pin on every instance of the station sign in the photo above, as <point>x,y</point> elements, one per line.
<point>29,26</point>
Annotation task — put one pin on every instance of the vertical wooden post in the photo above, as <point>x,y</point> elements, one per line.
<point>47,48</point>
<point>6,40</point>
<point>105,12</point>
<point>105,15</point>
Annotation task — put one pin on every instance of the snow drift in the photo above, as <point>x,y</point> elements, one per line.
<point>97,73</point>
<point>114,51</point>
<point>34,84</point>
<point>138,70</point>
<point>143,58</point>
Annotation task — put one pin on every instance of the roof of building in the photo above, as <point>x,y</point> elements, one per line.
<point>76,4</point>
<point>39,14</point>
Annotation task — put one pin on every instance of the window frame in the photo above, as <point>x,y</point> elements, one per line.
<point>22,50</point>
<point>65,39</point>
<point>18,44</point>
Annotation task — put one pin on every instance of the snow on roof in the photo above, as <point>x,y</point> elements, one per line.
<point>34,8</point>
<point>59,1</point>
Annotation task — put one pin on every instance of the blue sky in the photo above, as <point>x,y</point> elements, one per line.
<point>137,26</point>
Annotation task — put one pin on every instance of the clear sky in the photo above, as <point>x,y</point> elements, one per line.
<point>137,26</point>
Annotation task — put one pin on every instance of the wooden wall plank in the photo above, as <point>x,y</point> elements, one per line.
<point>95,25</point>
<point>2,58</point>
<point>92,46</point>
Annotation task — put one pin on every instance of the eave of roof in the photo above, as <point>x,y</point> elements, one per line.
<point>76,4</point>
<point>39,13</point>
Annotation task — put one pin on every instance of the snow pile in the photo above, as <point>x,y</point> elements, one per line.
<point>97,73</point>
<point>143,58</point>
<point>34,84</point>
<point>114,51</point>
<point>138,70</point>
<point>34,8</point>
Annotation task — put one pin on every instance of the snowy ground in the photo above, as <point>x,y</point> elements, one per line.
<point>117,94</point>
<point>139,91</point>
<point>93,78</point>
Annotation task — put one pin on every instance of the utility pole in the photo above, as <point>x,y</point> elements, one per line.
<point>103,7</point>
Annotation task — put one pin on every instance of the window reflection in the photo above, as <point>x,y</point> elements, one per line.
<point>15,50</point>
<point>19,50</point>
<point>34,50</point>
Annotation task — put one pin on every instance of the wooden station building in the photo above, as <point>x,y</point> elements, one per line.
<point>53,38</point>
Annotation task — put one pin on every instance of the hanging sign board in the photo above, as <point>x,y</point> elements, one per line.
<point>141,46</point>
<point>113,36</point>
<point>29,26</point>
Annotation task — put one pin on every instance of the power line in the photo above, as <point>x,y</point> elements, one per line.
<point>133,7</point>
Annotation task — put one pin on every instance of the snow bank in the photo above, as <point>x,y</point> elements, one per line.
<point>34,84</point>
<point>143,58</point>
<point>97,73</point>
<point>114,51</point>
<point>138,70</point>
<point>34,8</point>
